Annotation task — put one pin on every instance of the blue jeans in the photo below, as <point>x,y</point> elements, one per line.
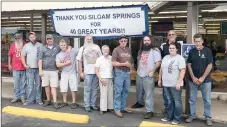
<point>122,84</point>
<point>148,85</point>
<point>34,85</point>
<point>90,87</point>
<point>206,94</point>
<point>164,98</point>
<point>19,78</point>
<point>174,109</point>
<point>139,91</point>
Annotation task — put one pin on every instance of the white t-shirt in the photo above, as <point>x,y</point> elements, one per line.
<point>90,55</point>
<point>171,66</point>
<point>105,66</point>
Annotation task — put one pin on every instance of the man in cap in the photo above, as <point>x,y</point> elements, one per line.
<point>48,70</point>
<point>15,64</point>
<point>88,54</point>
<point>29,57</point>
<point>121,60</point>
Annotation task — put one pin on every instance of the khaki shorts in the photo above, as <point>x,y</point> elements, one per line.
<point>50,78</point>
<point>68,80</point>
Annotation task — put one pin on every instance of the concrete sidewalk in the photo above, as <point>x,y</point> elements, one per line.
<point>218,111</point>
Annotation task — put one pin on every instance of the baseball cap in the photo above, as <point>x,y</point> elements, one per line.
<point>123,36</point>
<point>49,36</point>
<point>17,35</point>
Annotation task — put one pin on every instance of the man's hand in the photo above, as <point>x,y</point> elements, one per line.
<point>103,82</point>
<point>201,80</point>
<point>178,86</point>
<point>10,67</point>
<point>159,83</point>
<point>127,64</point>
<point>26,67</point>
<point>151,74</point>
<point>82,75</point>
<point>67,63</point>
<point>41,73</point>
<point>195,80</point>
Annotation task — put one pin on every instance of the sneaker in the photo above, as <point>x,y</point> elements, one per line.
<point>174,122</point>
<point>55,105</point>
<point>148,115</point>
<point>137,105</point>
<point>40,103</point>
<point>209,122</point>
<point>119,114</point>
<point>46,103</point>
<point>23,100</point>
<point>25,103</point>
<point>94,108</point>
<point>189,120</point>
<point>15,100</point>
<point>127,111</point>
<point>73,106</point>
<point>63,104</point>
<point>165,119</point>
<point>87,109</point>
<point>101,113</point>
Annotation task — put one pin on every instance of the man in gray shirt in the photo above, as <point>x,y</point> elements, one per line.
<point>48,69</point>
<point>67,61</point>
<point>30,52</point>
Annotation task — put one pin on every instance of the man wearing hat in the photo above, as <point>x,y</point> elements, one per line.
<point>15,64</point>
<point>29,58</point>
<point>121,60</point>
<point>48,70</point>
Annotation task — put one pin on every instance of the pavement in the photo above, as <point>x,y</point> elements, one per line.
<point>219,112</point>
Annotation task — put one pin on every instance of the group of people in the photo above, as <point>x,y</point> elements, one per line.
<point>33,61</point>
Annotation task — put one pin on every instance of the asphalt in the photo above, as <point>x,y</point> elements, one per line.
<point>95,120</point>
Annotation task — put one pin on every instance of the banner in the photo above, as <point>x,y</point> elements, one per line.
<point>101,22</point>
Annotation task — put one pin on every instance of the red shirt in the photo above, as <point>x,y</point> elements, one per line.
<point>15,55</point>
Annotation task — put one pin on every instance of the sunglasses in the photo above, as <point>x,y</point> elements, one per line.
<point>49,38</point>
<point>17,38</point>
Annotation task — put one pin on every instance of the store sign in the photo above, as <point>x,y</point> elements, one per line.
<point>102,22</point>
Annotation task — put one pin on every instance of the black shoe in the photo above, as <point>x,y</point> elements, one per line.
<point>55,105</point>
<point>137,105</point>
<point>94,108</point>
<point>73,106</point>
<point>148,115</point>
<point>46,103</point>
<point>110,110</point>
<point>63,105</point>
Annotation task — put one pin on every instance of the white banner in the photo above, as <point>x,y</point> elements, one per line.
<point>107,22</point>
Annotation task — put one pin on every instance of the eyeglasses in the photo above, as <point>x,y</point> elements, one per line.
<point>172,48</point>
<point>171,34</point>
<point>17,38</point>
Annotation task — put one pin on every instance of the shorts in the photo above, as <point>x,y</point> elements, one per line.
<point>68,79</point>
<point>50,78</point>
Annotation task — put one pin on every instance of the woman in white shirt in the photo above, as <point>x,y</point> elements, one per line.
<point>104,72</point>
<point>171,77</point>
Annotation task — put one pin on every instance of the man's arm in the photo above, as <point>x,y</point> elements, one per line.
<point>118,64</point>
<point>10,58</point>
<point>207,71</point>
<point>23,57</point>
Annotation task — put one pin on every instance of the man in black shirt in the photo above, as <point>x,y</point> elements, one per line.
<point>200,61</point>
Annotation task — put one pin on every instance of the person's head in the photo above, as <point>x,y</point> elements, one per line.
<point>173,49</point>
<point>123,40</point>
<point>49,39</point>
<point>105,50</point>
<point>63,45</point>
<point>171,36</point>
<point>88,40</point>
<point>146,43</point>
<point>32,37</point>
<point>18,38</point>
<point>198,40</point>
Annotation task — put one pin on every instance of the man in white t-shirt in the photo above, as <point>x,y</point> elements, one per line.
<point>104,72</point>
<point>88,54</point>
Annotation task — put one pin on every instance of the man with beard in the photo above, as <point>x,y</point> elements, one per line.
<point>121,60</point>
<point>48,70</point>
<point>19,73</point>
<point>149,61</point>
<point>88,54</point>
<point>30,51</point>
<point>171,38</point>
